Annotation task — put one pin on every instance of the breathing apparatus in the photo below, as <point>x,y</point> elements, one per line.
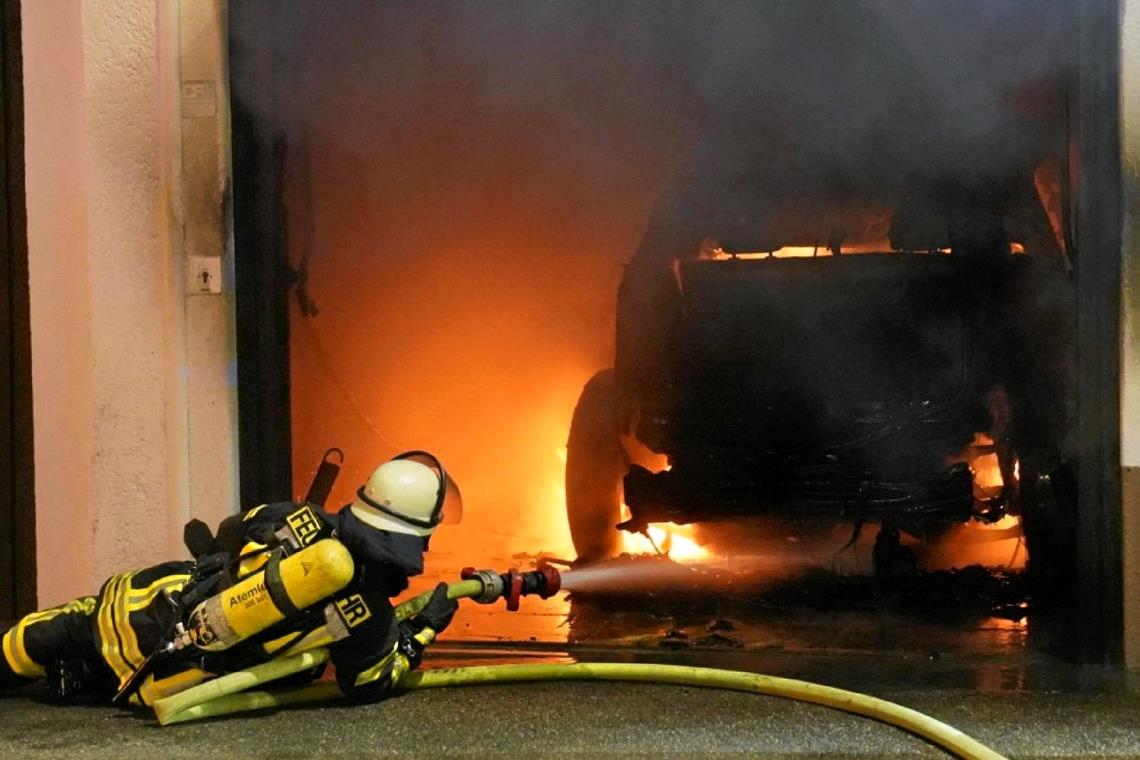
<point>266,597</point>
<point>286,584</point>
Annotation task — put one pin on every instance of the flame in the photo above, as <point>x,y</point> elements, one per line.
<point>983,461</point>
<point>677,542</point>
<point>987,475</point>
<point>997,544</point>
<point>794,251</point>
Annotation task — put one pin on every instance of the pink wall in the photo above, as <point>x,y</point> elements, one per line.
<point>62,354</point>
<point>111,325</point>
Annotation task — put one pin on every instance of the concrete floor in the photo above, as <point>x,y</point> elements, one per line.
<point>976,671</point>
<point>599,720</point>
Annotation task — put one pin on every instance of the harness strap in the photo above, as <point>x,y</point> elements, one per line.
<point>208,576</point>
<point>276,587</point>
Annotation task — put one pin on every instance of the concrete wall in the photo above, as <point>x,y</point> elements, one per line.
<point>135,416</point>
<point>1130,345</point>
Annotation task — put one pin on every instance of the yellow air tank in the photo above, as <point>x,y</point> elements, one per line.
<point>248,607</point>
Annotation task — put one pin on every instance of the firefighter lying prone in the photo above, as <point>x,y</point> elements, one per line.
<point>279,579</point>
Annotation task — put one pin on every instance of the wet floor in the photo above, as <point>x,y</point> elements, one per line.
<point>957,645</point>
<point>961,629</point>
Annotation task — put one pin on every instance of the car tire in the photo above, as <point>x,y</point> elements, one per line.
<point>595,466</point>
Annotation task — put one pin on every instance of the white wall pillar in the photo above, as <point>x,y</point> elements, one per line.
<point>134,416</point>
<point>211,345</point>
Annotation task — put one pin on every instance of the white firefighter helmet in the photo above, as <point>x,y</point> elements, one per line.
<point>411,493</point>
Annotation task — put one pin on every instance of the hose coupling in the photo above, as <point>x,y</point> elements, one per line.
<point>513,585</point>
<point>493,584</point>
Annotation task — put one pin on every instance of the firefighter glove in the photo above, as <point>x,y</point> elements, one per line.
<point>437,613</point>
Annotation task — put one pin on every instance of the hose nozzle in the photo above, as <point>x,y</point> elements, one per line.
<point>512,585</point>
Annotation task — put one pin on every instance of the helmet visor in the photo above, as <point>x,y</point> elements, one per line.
<point>449,507</point>
<point>452,509</point>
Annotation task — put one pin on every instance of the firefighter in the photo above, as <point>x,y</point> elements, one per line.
<point>124,639</point>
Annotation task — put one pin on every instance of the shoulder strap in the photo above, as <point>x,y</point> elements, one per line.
<point>209,575</point>
<point>276,587</point>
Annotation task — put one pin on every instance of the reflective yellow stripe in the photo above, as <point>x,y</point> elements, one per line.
<point>141,598</point>
<point>121,613</point>
<point>119,643</point>
<point>252,564</point>
<point>110,646</point>
<point>84,604</point>
<point>132,655</point>
<point>38,617</point>
<point>17,656</point>
<point>248,515</point>
<point>14,650</point>
<point>398,662</point>
<point>105,622</point>
<point>399,668</point>
<point>377,670</point>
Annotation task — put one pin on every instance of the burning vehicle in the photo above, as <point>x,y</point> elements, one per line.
<point>835,354</point>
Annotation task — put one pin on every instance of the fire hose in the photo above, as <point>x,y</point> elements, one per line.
<point>228,694</point>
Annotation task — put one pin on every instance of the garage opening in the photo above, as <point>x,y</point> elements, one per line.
<point>774,316</point>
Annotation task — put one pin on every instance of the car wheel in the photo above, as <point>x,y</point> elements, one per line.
<point>595,465</point>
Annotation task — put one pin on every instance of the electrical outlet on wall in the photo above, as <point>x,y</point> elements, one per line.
<point>204,274</point>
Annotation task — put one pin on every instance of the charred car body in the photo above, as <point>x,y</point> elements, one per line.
<point>835,358</point>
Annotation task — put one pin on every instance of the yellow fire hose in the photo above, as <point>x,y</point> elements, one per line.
<point>226,695</point>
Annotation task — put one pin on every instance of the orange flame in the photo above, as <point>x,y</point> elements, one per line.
<point>677,542</point>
